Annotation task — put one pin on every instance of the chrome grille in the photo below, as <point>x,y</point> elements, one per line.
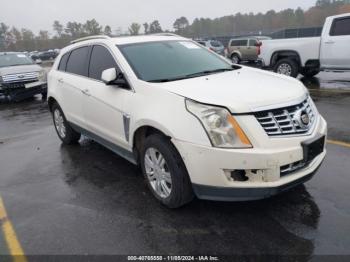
<point>21,77</point>
<point>282,121</point>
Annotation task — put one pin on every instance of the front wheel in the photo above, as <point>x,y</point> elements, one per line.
<point>64,131</point>
<point>287,67</point>
<point>235,59</point>
<point>310,72</point>
<point>165,172</point>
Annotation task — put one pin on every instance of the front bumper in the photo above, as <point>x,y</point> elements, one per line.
<point>18,94</point>
<point>210,168</point>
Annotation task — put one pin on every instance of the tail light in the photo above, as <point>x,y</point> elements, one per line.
<point>259,48</point>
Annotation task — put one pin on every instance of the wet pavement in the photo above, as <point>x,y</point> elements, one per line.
<point>84,199</point>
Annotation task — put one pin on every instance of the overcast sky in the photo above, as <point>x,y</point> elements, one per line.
<point>40,14</point>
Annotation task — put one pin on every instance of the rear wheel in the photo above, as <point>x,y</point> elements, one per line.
<point>64,131</point>
<point>287,67</point>
<point>165,172</point>
<point>310,72</point>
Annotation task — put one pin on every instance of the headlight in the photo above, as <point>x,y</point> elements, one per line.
<point>42,76</point>
<point>221,127</point>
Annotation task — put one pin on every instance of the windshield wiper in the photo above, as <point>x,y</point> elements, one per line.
<point>198,74</point>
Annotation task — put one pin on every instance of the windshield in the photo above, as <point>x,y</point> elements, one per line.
<point>14,60</point>
<point>171,60</point>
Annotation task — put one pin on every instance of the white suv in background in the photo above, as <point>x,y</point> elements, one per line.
<point>196,124</point>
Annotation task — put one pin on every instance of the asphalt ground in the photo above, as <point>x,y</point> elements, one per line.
<point>84,199</point>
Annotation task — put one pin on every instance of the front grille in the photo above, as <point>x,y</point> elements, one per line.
<point>17,85</point>
<point>282,121</point>
<point>21,77</point>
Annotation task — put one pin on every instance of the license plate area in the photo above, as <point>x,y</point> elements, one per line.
<point>313,147</point>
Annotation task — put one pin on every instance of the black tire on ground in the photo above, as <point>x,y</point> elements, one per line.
<point>235,59</point>
<point>71,136</point>
<point>309,72</point>
<point>287,67</point>
<point>181,187</point>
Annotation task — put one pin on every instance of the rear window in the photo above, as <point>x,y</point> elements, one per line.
<point>239,42</point>
<point>341,26</point>
<point>63,62</point>
<point>253,42</point>
<point>77,62</point>
<point>216,43</point>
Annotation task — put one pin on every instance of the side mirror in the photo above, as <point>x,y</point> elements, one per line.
<point>38,61</point>
<point>110,77</point>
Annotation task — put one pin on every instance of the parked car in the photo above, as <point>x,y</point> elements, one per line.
<point>194,122</point>
<point>245,49</point>
<point>213,45</point>
<point>309,56</point>
<point>20,77</point>
<point>47,55</point>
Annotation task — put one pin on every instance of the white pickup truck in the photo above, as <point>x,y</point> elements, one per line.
<point>308,56</point>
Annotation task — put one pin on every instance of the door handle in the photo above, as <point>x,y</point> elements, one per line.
<point>86,92</point>
<point>329,42</point>
<point>60,80</point>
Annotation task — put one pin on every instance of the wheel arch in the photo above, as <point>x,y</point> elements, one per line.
<point>236,53</point>
<point>142,131</point>
<point>50,102</point>
<point>281,54</point>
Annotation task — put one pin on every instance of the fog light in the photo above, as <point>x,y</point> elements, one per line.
<point>239,175</point>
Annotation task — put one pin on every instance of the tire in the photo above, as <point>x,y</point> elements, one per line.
<point>310,72</point>
<point>235,59</point>
<point>64,131</point>
<point>176,178</point>
<point>287,66</point>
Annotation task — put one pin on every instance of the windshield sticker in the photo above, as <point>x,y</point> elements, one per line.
<point>21,55</point>
<point>189,45</point>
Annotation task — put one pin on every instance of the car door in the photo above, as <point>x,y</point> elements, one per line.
<point>243,48</point>
<point>252,52</point>
<point>72,82</point>
<point>335,46</point>
<point>103,104</point>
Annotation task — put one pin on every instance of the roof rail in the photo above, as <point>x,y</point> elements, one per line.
<point>90,38</point>
<point>166,34</point>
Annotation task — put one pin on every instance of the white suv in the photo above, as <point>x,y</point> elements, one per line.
<point>197,125</point>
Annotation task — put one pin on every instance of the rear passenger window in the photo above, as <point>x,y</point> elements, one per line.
<point>341,26</point>
<point>101,59</point>
<point>239,43</point>
<point>77,61</point>
<point>63,63</point>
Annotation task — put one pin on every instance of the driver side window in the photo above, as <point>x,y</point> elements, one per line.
<point>101,59</point>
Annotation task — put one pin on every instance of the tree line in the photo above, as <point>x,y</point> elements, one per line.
<point>14,39</point>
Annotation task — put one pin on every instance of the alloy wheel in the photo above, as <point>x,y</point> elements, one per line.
<point>158,173</point>
<point>284,69</point>
<point>59,123</point>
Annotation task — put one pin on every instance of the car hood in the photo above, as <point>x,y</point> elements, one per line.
<point>242,90</point>
<point>19,69</point>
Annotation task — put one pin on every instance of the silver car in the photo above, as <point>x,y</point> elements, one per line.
<point>213,45</point>
<point>20,77</point>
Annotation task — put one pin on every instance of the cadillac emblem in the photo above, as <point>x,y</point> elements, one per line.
<point>302,118</point>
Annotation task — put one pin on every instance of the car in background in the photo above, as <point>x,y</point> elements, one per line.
<point>20,77</point>
<point>245,49</point>
<point>213,45</point>
<point>310,55</point>
<point>48,55</point>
